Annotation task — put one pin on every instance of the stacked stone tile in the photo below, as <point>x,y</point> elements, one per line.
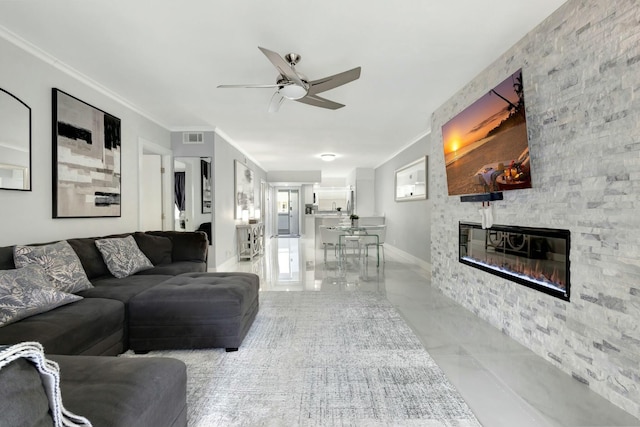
<point>581,70</point>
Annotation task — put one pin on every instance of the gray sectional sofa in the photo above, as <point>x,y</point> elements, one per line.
<point>173,303</point>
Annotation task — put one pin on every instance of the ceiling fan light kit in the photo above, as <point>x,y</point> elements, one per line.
<point>295,86</point>
<point>293,92</point>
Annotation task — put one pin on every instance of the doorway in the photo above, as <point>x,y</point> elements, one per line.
<point>151,192</point>
<point>288,212</point>
<point>153,162</point>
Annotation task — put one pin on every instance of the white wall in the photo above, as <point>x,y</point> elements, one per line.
<point>26,217</point>
<point>224,196</point>
<point>408,223</point>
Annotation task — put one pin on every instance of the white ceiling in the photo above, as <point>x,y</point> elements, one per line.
<point>166,57</point>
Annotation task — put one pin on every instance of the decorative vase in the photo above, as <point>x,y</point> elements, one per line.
<point>354,222</point>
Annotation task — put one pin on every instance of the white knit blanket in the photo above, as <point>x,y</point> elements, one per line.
<point>50,375</point>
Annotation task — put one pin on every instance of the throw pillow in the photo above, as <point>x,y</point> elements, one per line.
<point>59,261</point>
<point>27,291</point>
<point>123,256</point>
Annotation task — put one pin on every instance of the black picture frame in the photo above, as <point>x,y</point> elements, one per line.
<point>15,125</point>
<point>87,170</point>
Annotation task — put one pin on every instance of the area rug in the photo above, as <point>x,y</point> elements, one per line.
<point>322,359</point>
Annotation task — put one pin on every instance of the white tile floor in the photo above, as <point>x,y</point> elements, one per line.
<point>504,383</point>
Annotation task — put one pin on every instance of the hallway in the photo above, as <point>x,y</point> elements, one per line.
<point>504,383</point>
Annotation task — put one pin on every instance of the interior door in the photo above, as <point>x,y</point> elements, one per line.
<point>294,212</point>
<point>283,212</point>
<point>151,193</point>
<point>288,204</point>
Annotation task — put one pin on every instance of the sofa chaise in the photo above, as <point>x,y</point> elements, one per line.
<point>172,302</point>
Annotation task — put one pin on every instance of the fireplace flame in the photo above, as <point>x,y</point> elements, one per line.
<point>537,273</point>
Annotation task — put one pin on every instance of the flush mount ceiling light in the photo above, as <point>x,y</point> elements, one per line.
<point>328,157</point>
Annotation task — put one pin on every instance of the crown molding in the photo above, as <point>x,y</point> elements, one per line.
<point>227,138</point>
<point>404,147</point>
<point>46,57</point>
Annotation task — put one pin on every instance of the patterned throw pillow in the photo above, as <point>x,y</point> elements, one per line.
<point>27,291</point>
<point>60,262</point>
<point>123,256</point>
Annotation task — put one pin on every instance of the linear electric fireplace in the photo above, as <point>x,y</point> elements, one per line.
<point>534,257</point>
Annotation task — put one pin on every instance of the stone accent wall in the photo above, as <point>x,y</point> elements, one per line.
<point>581,71</point>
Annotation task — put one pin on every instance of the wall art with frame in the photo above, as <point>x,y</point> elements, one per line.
<point>244,189</point>
<point>206,187</point>
<point>411,181</point>
<point>86,159</point>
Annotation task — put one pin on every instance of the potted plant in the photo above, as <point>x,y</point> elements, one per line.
<point>354,220</point>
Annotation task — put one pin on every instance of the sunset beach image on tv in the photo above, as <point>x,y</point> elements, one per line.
<point>486,146</point>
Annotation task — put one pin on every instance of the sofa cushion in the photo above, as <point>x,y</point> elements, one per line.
<point>90,326</point>
<point>23,401</point>
<point>90,257</point>
<point>27,291</point>
<point>122,289</point>
<point>124,392</point>
<point>60,262</point>
<point>6,258</point>
<point>123,256</point>
<point>176,268</point>
<point>156,248</point>
<point>186,246</point>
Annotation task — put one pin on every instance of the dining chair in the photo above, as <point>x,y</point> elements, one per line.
<point>330,237</point>
<point>381,232</point>
<point>352,239</point>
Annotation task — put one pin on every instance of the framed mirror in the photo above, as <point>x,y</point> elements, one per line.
<point>193,194</point>
<point>411,181</point>
<point>15,143</point>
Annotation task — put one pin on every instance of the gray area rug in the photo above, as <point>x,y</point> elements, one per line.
<point>322,359</point>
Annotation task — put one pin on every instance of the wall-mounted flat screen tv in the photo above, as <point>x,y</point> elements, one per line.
<point>486,148</point>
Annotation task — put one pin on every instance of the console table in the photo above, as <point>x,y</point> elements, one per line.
<point>250,240</point>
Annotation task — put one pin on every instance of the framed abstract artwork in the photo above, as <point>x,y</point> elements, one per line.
<point>86,159</point>
<point>243,189</point>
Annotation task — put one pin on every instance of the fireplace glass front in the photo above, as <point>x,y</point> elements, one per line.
<point>534,257</point>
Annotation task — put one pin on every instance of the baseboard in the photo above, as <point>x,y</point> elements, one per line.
<point>406,257</point>
<point>228,265</point>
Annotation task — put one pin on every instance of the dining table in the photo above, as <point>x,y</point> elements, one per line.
<point>350,231</point>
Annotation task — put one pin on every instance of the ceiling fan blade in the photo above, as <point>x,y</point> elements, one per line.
<point>317,101</point>
<point>322,85</point>
<point>276,102</point>
<point>282,66</point>
<point>251,86</point>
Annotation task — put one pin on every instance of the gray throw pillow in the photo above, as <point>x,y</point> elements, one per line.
<point>123,256</point>
<point>27,291</point>
<point>60,262</point>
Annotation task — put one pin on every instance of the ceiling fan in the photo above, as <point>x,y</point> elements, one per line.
<point>293,85</point>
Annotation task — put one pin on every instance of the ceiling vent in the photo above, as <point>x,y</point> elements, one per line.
<point>192,138</point>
